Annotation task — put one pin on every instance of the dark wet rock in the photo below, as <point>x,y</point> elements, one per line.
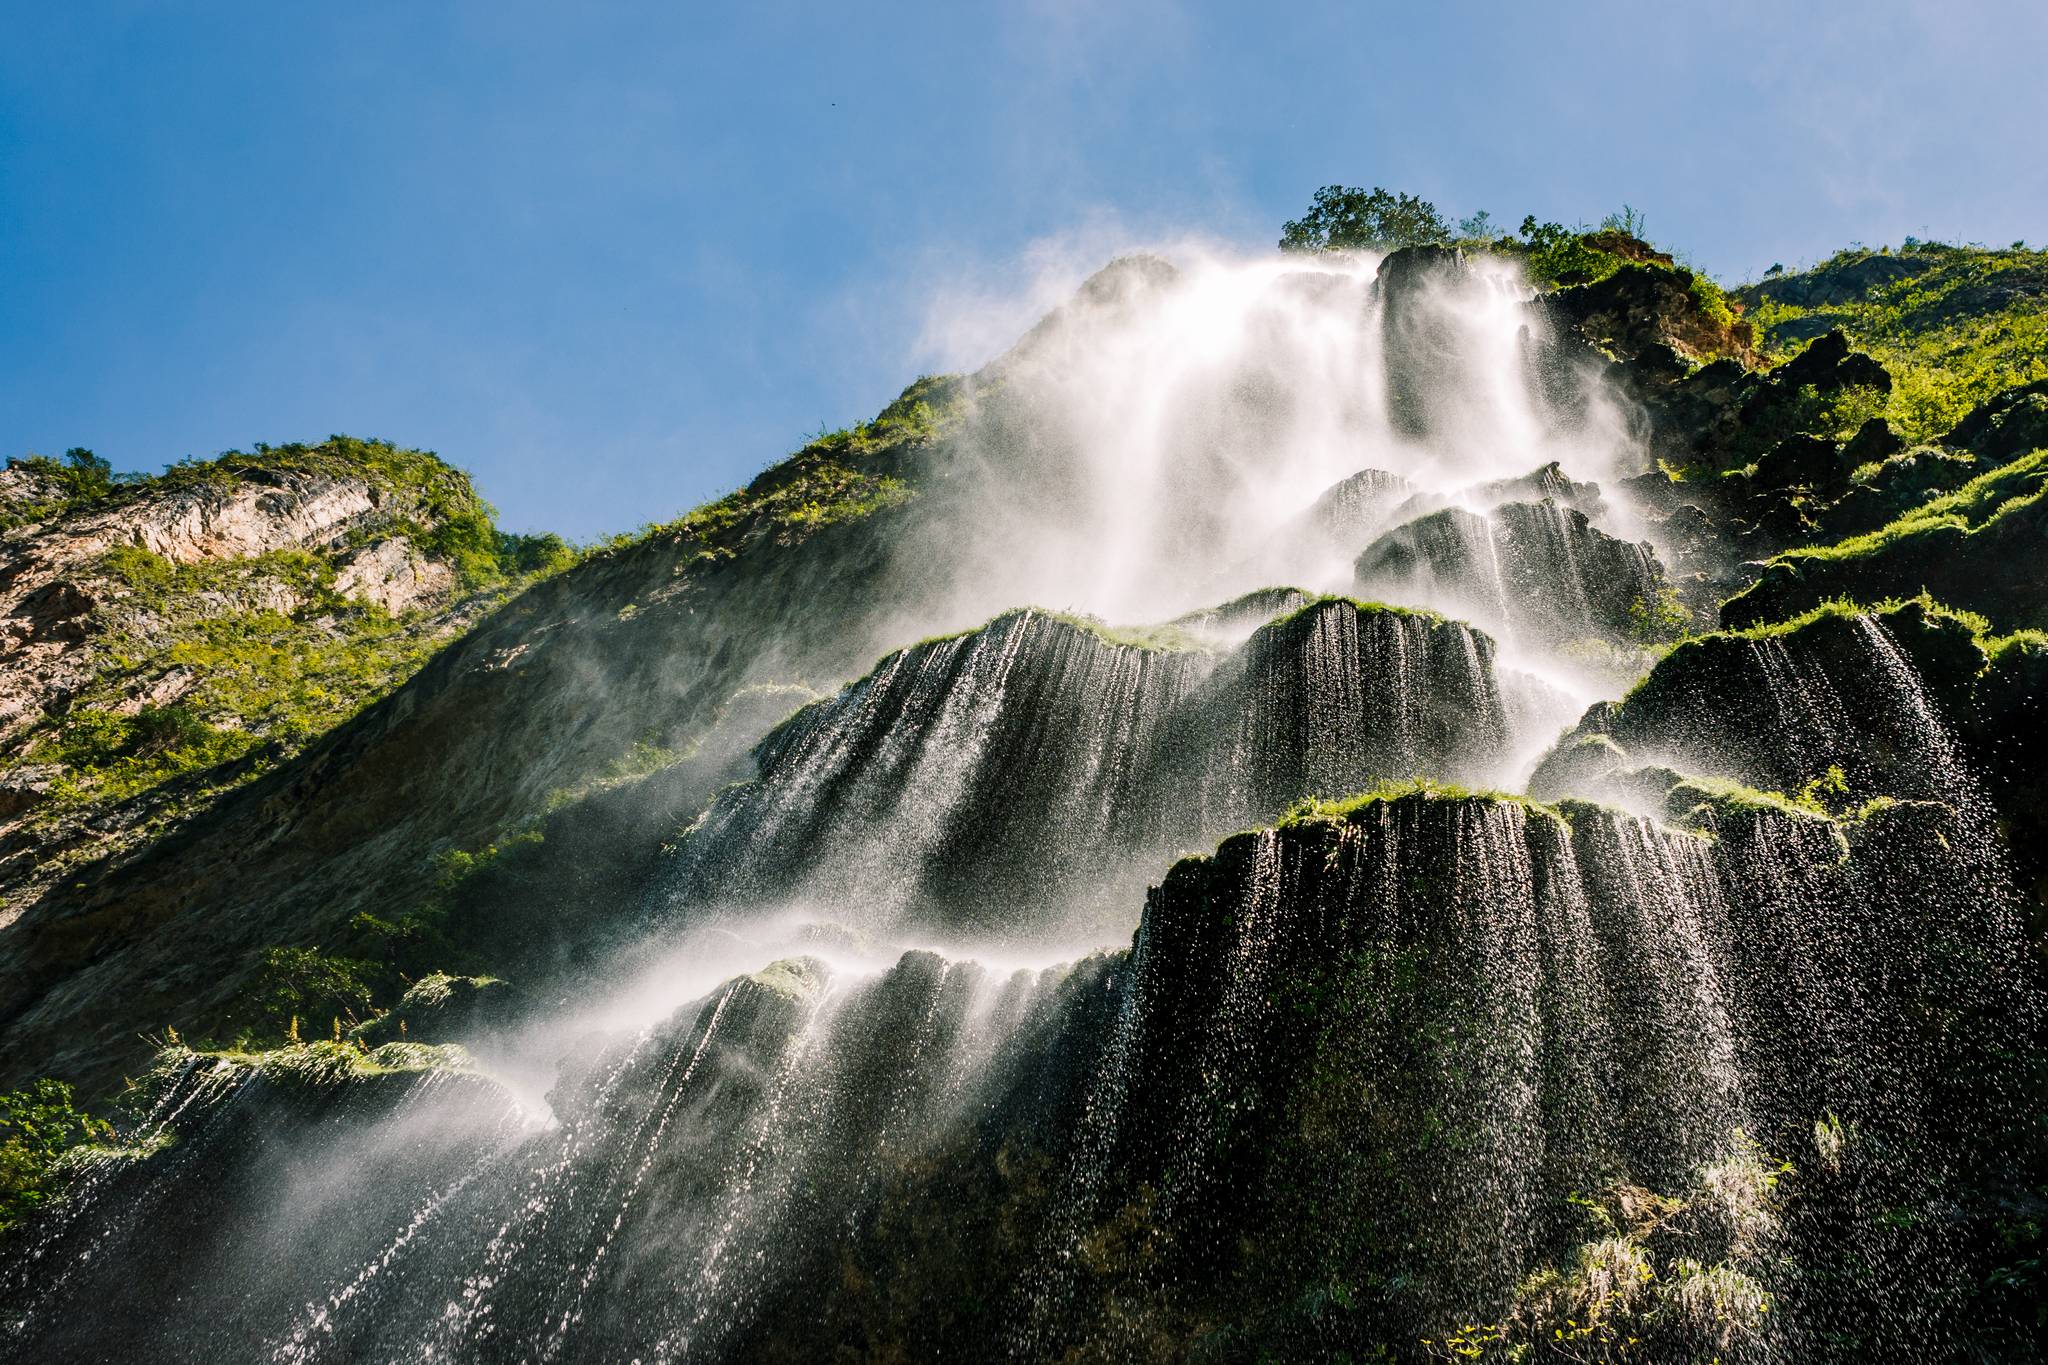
<point>1547,483</point>
<point>1234,620</point>
<point>1417,332</point>
<point>1540,565</point>
<point>1829,362</point>
<point>1355,508</point>
<point>1648,310</point>
<point>1802,461</point>
<point>1985,558</point>
<point>1874,440</point>
<point>2006,426</point>
<point>1102,748</point>
<point>1864,692</point>
<point>446,1009</point>
<point>1896,486</point>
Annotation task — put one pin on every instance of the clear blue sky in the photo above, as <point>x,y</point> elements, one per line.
<point>615,258</point>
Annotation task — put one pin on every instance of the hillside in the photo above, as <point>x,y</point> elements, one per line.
<point>1476,801</point>
<point>173,637</point>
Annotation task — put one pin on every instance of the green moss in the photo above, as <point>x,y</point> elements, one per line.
<point>793,978</point>
<point>1166,639</point>
<point>1318,810</point>
<point>320,1065</point>
<point>1973,508</point>
<point>1835,608</point>
<point>1722,796</point>
<point>1315,604</point>
<point>1975,545</point>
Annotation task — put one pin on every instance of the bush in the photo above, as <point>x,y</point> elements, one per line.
<point>38,1124</point>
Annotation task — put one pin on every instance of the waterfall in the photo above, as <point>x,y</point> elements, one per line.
<point>937,1040</point>
<point>1537,572</point>
<point>1008,778</point>
<point>964,784</point>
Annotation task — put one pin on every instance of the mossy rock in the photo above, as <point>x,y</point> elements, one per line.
<point>441,1008</point>
<point>1978,548</point>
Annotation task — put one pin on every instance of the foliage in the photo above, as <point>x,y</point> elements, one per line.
<point>1476,227</point>
<point>311,1065</point>
<point>304,983</point>
<point>1954,325</point>
<point>282,660</point>
<point>1660,619</point>
<point>38,1125</point>
<point>212,672</point>
<point>1977,505</point>
<point>1343,218</point>
<point>109,756</point>
<point>1558,255</point>
<point>79,479</point>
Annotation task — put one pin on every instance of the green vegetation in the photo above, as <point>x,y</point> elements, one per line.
<point>79,479</point>
<point>1662,619</point>
<point>286,661</point>
<point>1363,607</point>
<point>316,1065</point>
<point>1166,639</point>
<point>303,983</point>
<point>1344,218</point>
<point>38,1125</point>
<point>1696,797</point>
<point>1953,324</point>
<point>1658,1277</point>
<point>1975,547</point>
<point>1973,508</point>
<point>1319,810</point>
<point>211,672</point>
<point>831,480</point>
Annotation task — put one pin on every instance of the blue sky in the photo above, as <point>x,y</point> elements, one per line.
<point>613,259</point>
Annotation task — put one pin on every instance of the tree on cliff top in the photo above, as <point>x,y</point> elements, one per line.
<point>1344,217</point>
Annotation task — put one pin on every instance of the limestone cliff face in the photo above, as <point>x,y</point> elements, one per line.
<point>55,589</point>
<point>135,613</point>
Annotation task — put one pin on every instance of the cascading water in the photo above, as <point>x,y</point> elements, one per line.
<point>1358,1083</point>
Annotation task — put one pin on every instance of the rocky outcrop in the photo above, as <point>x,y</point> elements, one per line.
<point>1864,703</point>
<point>394,576</point>
<point>1536,570</point>
<point>1645,308</point>
<point>117,598</point>
<point>2005,426</point>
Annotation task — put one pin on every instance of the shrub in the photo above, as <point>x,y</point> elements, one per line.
<point>305,982</point>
